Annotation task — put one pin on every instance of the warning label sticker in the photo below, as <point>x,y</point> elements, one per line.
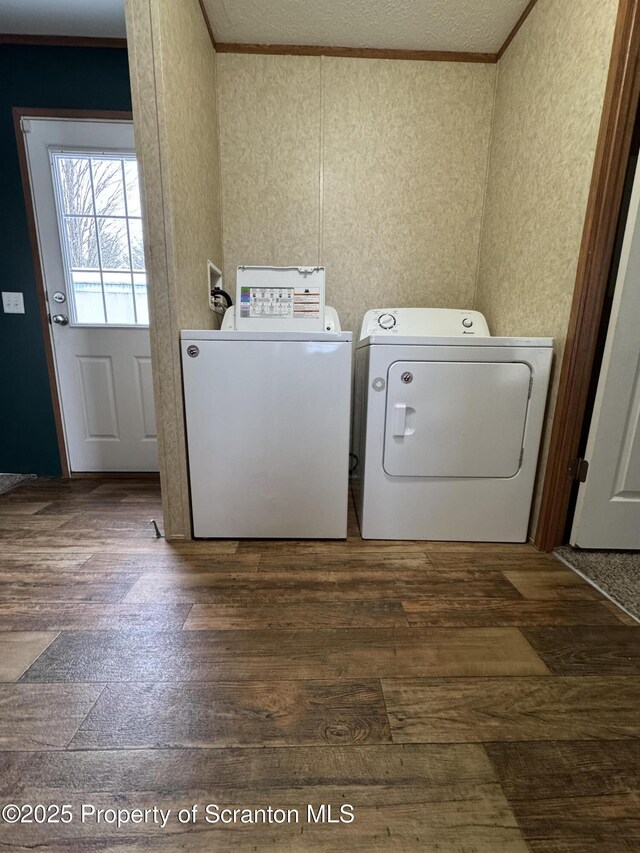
<point>306,302</point>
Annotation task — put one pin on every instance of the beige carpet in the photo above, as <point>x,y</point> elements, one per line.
<point>616,573</point>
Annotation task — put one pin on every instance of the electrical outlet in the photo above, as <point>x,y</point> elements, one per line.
<point>12,303</point>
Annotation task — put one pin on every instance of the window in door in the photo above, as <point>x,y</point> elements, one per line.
<point>99,217</point>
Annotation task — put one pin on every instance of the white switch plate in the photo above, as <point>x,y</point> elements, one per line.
<point>13,303</point>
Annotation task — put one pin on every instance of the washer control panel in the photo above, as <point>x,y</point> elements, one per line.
<point>423,322</point>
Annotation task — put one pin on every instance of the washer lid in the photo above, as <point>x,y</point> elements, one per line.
<point>455,419</point>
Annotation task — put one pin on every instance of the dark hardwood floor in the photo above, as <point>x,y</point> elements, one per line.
<point>463,698</point>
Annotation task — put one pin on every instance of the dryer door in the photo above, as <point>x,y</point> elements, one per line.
<point>455,419</point>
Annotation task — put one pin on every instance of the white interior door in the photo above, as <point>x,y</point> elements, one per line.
<point>608,508</point>
<point>84,183</point>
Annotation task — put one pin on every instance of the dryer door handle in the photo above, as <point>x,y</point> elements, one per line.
<point>399,420</point>
<point>403,415</point>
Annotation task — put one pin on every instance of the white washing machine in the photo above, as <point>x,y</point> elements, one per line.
<point>267,404</point>
<point>447,426</point>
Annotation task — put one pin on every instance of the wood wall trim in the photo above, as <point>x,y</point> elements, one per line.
<point>596,252</point>
<point>208,24</point>
<point>81,115</point>
<point>523,17</point>
<point>365,52</point>
<point>62,41</point>
<point>355,52</point>
<point>154,476</point>
<point>37,112</point>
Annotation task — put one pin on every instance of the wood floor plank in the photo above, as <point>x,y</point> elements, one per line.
<point>32,523</point>
<point>207,587</point>
<point>512,709</point>
<point>473,613</point>
<point>43,716</point>
<point>613,650</point>
<point>391,563</point>
<point>177,564</point>
<point>620,614</point>
<point>23,508</point>
<point>578,796</point>
<point>51,487</point>
<point>125,487</point>
<point>284,713</point>
<point>139,499</point>
<point>106,522</point>
<point>38,585</point>
<point>192,587</point>
<point>76,542</point>
<point>42,560</point>
<point>19,649</point>
<point>407,799</point>
<point>530,560</point>
<point>107,508</point>
<point>434,546</point>
<point>88,615</point>
<point>284,655</point>
<point>93,537</point>
<point>303,615</point>
<point>13,536</point>
<point>545,585</point>
<point>294,547</point>
<point>73,548</point>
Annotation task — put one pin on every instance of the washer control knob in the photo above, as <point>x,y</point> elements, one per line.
<point>386,321</point>
<point>467,322</point>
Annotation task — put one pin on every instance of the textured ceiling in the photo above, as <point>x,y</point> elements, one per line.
<point>449,25</point>
<point>99,18</point>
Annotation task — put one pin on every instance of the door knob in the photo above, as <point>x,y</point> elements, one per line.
<point>60,319</point>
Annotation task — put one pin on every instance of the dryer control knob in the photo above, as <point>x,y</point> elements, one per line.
<point>386,321</point>
<point>467,322</point>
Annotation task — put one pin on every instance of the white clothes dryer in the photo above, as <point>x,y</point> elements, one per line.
<point>447,426</point>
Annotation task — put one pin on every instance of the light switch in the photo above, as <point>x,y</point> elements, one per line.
<point>12,303</point>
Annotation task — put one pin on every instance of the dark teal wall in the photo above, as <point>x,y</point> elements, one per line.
<point>55,77</point>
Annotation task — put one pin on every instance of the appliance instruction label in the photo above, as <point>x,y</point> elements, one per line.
<point>280,302</point>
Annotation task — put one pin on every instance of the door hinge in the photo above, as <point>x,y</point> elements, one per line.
<point>578,470</point>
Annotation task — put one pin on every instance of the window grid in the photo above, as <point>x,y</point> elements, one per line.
<point>95,222</point>
<point>99,216</point>
<point>130,272</point>
<point>126,213</point>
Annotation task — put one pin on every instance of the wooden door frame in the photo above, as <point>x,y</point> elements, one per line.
<point>596,253</point>
<point>35,112</point>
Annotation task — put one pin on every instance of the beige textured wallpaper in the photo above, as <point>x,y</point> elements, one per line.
<point>175,115</point>
<point>404,171</point>
<point>270,153</point>
<point>547,114</point>
<point>374,168</point>
<point>188,123</point>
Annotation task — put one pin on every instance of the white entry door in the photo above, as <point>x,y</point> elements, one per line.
<point>84,184</point>
<point>608,508</point>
